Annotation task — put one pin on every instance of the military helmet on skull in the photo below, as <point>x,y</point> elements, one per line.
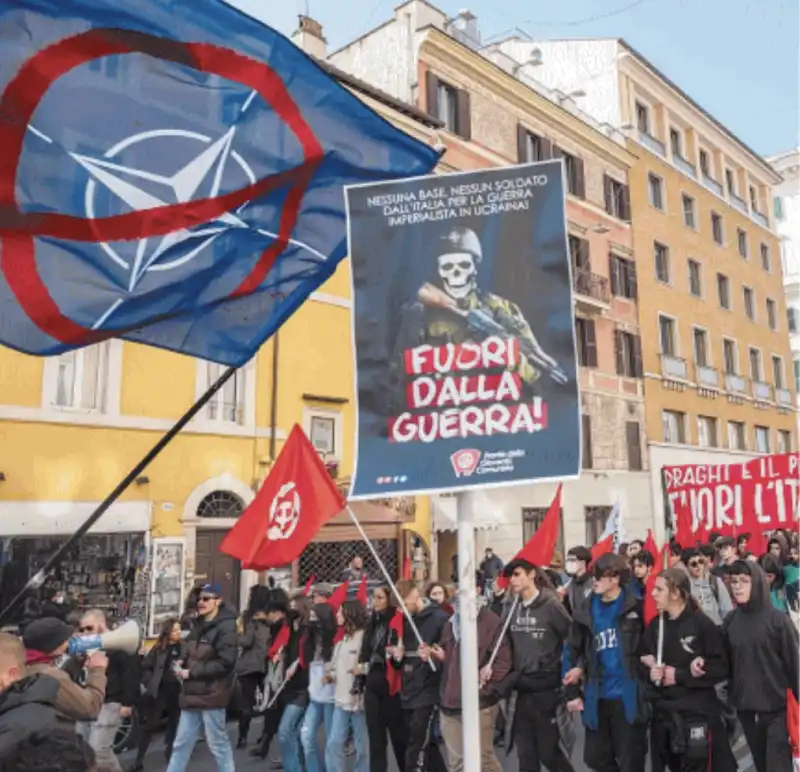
<point>462,239</point>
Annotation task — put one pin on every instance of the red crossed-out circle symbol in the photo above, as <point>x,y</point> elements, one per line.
<point>22,96</point>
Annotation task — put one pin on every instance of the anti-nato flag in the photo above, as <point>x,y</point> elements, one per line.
<point>171,173</point>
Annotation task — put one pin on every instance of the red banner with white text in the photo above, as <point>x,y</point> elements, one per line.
<point>732,499</point>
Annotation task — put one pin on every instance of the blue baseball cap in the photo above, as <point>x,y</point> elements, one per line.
<point>212,589</point>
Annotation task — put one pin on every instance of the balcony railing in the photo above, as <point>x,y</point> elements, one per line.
<point>651,143</point>
<point>738,203</point>
<point>673,367</point>
<point>708,376</point>
<point>783,397</point>
<point>684,165</point>
<point>592,285</point>
<point>762,391</point>
<point>760,218</point>
<point>712,184</point>
<point>735,383</point>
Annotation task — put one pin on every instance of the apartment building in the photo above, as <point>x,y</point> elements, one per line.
<point>488,109</point>
<point>717,365</point>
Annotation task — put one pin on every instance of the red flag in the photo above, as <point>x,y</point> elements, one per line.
<point>309,584</point>
<point>650,610</point>
<point>339,635</point>
<point>393,677</point>
<point>295,501</point>
<point>406,567</point>
<point>278,642</point>
<point>793,722</point>
<point>650,543</point>
<point>603,547</point>
<point>362,591</point>
<point>339,596</point>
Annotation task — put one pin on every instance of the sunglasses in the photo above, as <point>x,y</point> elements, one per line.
<point>696,563</point>
<point>207,598</point>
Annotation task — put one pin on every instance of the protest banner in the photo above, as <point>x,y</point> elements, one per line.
<point>463,331</point>
<point>751,497</point>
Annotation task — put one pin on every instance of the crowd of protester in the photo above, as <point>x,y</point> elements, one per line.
<point>337,684</point>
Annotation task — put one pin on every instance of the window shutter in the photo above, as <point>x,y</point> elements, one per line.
<point>614,272</point>
<point>608,194</point>
<point>633,439</point>
<point>547,149</point>
<point>638,366</point>
<point>556,151</point>
<point>591,343</point>
<point>522,144</point>
<point>619,353</point>
<point>625,212</point>
<point>432,94</point>
<point>586,441</point>
<point>583,254</point>
<point>633,284</point>
<point>580,179</point>
<point>464,119</point>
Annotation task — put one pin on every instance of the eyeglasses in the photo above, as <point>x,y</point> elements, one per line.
<point>207,598</point>
<point>696,563</point>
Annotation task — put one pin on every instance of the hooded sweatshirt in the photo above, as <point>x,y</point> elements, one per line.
<point>27,706</point>
<point>762,646</point>
<point>373,651</point>
<point>703,593</point>
<point>538,630</point>
<point>579,592</point>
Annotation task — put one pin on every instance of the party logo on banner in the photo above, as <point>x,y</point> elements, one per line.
<point>463,329</point>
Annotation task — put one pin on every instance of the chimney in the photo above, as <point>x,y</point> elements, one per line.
<point>308,36</point>
<point>464,28</point>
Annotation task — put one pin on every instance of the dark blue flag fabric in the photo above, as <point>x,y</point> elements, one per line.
<point>171,172</point>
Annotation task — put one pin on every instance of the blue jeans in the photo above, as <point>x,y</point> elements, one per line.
<point>289,738</point>
<point>317,713</point>
<point>343,722</point>
<point>213,722</point>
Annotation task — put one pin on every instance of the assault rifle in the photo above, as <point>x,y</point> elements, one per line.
<point>483,323</point>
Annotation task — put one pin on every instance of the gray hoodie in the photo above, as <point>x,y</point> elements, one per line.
<point>703,593</point>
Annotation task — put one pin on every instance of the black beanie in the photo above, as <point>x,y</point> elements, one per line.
<point>47,634</point>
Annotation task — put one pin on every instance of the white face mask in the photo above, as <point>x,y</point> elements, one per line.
<point>571,567</point>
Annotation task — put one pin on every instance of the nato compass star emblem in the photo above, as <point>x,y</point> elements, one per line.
<point>126,187</point>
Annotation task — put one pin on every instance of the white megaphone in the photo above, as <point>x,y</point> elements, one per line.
<point>127,638</point>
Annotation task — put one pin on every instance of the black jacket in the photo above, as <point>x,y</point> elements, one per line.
<point>491,567</point>
<point>157,669</point>
<point>420,683</point>
<point>762,645</point>
<point>537,632</point>
<point>373,651</point>
<point>296,690</point>
<point>209,654</point>
<point>578,594</point>
<point>123,678</point>
<point>26,706</point>
<point>687,637</point>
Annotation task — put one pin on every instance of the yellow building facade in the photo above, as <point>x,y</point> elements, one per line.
<point>71,427</point>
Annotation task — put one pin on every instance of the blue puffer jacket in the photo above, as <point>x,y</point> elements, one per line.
<point>581,651</point>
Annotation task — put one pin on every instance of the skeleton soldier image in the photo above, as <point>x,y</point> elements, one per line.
<point>457,311</point>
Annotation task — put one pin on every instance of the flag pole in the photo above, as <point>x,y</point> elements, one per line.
<point>36,581</point>
<point>389,580</point>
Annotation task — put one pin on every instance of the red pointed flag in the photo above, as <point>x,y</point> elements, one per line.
<point>393,677</point>
<point>603,547</point>
<point>280,641</point>
<point>406,567</point>
<point>295,501</point>
<point>650,543</point>
<point>309,585</point>
<point>650,610</point>
<point>793,723</point>
<point>339,596</point>
<point>362,591</point>
<point>339,635</point>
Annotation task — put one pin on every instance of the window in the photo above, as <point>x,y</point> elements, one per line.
<point>449,104</point>
<point>796,364</point>
<point>737,436</point>
<point>755,365</point>
<point>220,504</point>
<point>762,439</point>
<point>642,118</point>
<point>716,228</point>
<point>634,443</point>
<point>596,518</point>
<point>587,342</point>
<point>666,334</point>
<point>532,147</point>
<point>706,431</point>
<point>730,181</point>
<point>749,303</point>
<point>586,441</point>
<point>741,240</point>
<point>676,142</point>
<point>617,198</point>
<point>573,170</point>
<point>777,373</point>
<point>661,255</point>
<point>628,352</point>
<point>729,356</point>
<point>753,199</point>
<point>623,278</point>
<point>322,434</point>
<point>227,405</point>
<point>673,424</point>
<point>656,187</point>
<point>784,441</point>
<point>793,318</point>
<point>766,261</point>
<point>695,278</point>
<point>724,291</point>
<point>689,211</point>
<point>772,314</point>
<point>778,207</point>
<point>700,347</point>
<point>82,378</point>
<point>705,167</point>
<point>532,519</point>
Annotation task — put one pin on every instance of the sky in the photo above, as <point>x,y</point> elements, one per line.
<point>739,59</point>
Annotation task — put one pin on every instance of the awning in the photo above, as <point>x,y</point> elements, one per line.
<point>63,518</point>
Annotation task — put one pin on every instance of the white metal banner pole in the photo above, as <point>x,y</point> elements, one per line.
<point>468,644</point>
